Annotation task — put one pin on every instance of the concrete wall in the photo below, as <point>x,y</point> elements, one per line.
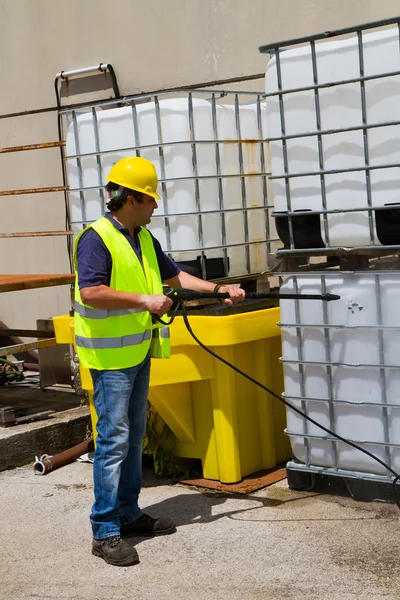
<point>152,44</point>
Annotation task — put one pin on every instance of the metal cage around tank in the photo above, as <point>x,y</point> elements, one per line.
<point>322,356</point>
<point>319,84</point>
<point>318,345</point>
<point>239,144</point>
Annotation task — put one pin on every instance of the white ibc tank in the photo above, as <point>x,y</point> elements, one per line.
<point>347,395</point>
<point>340,107</point>
<point>141,126</point>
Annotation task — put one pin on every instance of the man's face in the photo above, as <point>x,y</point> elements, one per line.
<point>144,210</point>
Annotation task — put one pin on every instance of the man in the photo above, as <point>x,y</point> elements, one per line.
<point>120,268</point>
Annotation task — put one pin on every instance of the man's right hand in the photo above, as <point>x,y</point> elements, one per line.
<point>157,304</point>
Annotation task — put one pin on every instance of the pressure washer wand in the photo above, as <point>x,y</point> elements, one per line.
<point>183,294</point>
<point>179,295</point>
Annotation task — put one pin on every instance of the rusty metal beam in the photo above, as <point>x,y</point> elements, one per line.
<point>60,188</point>
<point>32,147</point>
<point>35,234</point>
<point>11,283</point>
<point>16,348</point>
<point>35,333</point>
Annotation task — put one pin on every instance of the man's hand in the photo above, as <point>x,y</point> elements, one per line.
<point>236,294</point>
<point>185,280</point>
<point>157,304</point>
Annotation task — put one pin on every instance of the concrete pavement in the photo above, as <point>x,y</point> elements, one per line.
<point>275,544</point>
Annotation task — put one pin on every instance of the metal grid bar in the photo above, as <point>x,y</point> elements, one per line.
<point>222,210</point>
<point>343,327</point>
<point>299,346</point>
<point>139,146</point>
<point>330,438</point>
<point>328,357</point>
<point>346,402</point>
<point>98,161</point>
<point>135,131</point>
<point>343,272</point>
<point>330,251</point>
<point>79,167</point>
<point>204,212</point>
<point>398,29</point>
<point>325,363</point>
<point>284,150</point>
<point>265,48</point>
<point>159,94</point>
<point>326,132</point>
<point>332,84</point>
<point>163,180</point>
<point>382,373</point>
<point>336,171</point>
<point>320,146</point>
<point>242,182</point>
<point>162,167</point>
<point>339,472</point>
<point>196,185</point>
<point>365,135</point>
<point>337,210</point>
<point>264,179</point>
<point>219,247</point>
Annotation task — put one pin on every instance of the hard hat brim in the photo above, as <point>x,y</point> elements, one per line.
<point>155,195</point>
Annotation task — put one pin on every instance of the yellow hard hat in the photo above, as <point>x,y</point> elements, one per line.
<point>135,173</point>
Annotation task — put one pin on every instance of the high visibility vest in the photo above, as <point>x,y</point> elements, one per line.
<point>121,338</point>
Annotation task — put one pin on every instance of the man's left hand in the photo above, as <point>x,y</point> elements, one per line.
<point>236,294</point>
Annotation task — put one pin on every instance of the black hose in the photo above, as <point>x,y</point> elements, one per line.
<point>294,408</point>
<point>114,80</point>
<point>13,366</point>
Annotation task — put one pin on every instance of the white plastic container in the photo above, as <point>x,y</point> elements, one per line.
<point>349,393</point>
<point>128,127</point>
<point>340,107</point>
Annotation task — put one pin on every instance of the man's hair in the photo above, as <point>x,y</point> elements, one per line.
<point>119,194</point>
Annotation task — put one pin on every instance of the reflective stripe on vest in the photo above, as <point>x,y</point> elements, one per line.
<point>120,338</point>
<point>162,332</point>
<point>159,347</point>
<point>119,342</point>
<point>103,313</point>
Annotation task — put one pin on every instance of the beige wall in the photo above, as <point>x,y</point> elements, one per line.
<point>152,44</point>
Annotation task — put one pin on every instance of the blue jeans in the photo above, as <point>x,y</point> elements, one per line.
<point>120,399</point>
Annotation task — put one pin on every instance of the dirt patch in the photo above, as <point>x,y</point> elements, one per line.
<point>72,486</point>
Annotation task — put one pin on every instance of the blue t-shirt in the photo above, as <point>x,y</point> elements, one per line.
<point>95,261</point>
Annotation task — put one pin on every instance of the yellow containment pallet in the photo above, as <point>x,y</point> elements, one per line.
<point>218,416</point>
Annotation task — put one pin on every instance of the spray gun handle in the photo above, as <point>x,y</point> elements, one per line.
<point>183,294</point>
<point>179,294</point>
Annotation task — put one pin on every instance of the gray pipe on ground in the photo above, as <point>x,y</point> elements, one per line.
<point>46,463</point>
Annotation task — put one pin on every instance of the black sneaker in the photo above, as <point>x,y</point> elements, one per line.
<point>115,551</point>
<point>147,526</point>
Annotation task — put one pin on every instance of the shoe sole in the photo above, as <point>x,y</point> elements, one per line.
<point>148,534</point>
<point>127,562</point>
